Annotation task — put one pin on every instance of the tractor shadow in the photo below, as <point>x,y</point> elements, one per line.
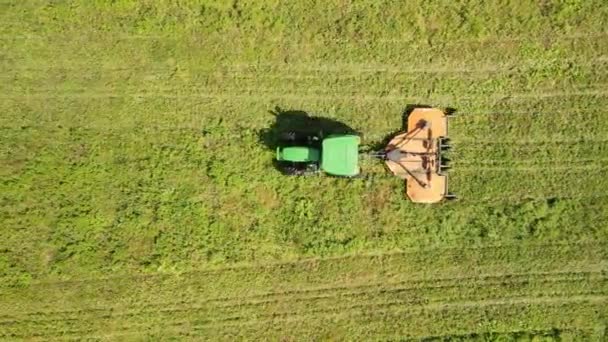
<point>299,121</point>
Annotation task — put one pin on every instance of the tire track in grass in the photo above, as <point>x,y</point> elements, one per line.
<point>530,167</point>
<point>526,144</point>
<point>380,305</point>
<point>527,164</point>
<point>255,95</point>
<point>459,142</point>
<point>572,170</point>
<point>291,316</point>
<point>454,41</point>
<point>377,87</point>
<point>243,71</point>
<point>466,117</point>
<point>586,145</point>
<point>565,181</point>
<point>360,297</point>
<point>545,249</point>
<point>487,183</point>
<point>561,299</point>
<point>431,316</point>
<point>497,195</point>
<point>342,291</point>
<point>522,143</point>
<point>271,329</point>
<point>247,269</point>
<point>590,151</point>
<point>506,300</point>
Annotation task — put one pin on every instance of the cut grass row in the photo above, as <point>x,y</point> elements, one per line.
<point>358,320</point>
<point>332,301</point>
<point>456,262</point>
<point>434,292</point>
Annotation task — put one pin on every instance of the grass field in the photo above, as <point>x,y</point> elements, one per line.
<point>138,200</point>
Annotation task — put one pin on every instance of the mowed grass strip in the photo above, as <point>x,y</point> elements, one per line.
<point>292,299</point>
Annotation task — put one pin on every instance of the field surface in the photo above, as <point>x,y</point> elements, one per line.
<point>138,200</point>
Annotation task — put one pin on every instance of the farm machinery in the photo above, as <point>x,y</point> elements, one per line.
<point>414,154</point>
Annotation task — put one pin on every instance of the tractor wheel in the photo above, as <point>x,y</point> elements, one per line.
<point>311,168</point>
<point>295,171</point>
<point>450,111</point>
<point>291,171</point>
<point>288,136</point>
<point>445,143</point>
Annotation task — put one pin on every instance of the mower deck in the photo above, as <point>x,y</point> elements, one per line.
<point>415,155</point>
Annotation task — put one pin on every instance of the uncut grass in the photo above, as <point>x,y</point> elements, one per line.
<point>447,21</point>
<point>163,178</point>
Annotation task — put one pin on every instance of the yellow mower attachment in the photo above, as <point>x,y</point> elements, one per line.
<point>415,155</point>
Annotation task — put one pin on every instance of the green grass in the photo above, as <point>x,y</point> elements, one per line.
<point>137,200</point>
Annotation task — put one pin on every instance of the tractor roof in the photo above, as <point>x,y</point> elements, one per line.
<point>340,155</point>
<point>298,154</point>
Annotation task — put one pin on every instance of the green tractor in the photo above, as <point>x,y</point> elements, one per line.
<point>303,154</point>
<point>414,154</point>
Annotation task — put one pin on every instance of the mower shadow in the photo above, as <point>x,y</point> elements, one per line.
<point>409,108</point>
<point>301,122</point>
<point>380,145</point>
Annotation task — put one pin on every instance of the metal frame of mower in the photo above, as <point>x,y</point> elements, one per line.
<point>415,155</point>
